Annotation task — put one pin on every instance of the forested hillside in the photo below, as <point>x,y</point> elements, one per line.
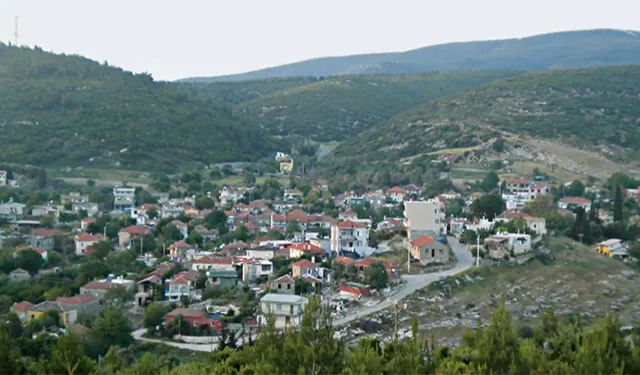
<point>559,50</point>
<point>594,109</point>
<point>341,107</point>
<point>58,110</point>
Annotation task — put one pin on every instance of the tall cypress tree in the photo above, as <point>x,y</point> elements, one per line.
<point>617,208</point>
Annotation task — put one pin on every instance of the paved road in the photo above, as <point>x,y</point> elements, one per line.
<point>416,282</point>
<point>137,335</point>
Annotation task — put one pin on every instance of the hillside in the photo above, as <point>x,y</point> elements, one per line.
<point>560,50</point>
<point>234,92</point>
<point>593,109</point>
<point>58,110</point>
<point>341,107</point>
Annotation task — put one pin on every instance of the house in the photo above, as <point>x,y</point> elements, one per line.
<point>362,265</point>
<point>285,308</point>
<point>96,288</point>
<point>284,285</point>
<point>343,260</point>
<point>571,203</point>
<point>536,224</point>
<point>124,199</point>
<point>84,223</point>
<point>297,250</point>
<point>350,236</point>
<point>208,235</point>
<point>349,199</point>
<point>85,305</point>
<point>412,191</point>
<point>179,248</point>
<point>513,244</point>
<point>258,205</point>
<point>67,315</point>
<point>19,275</point>
<point>190,211</point>
<point>612,247</point>
<point>390,224</point>
<point>347,215</point>
<point>396,194</point>
<point>207,263</point>
<point>252,269</point>
<point>21,309</point>
<point>428,250</point>
<point>222,278</point>
<point>234,247</point>
<point>182,285</point>
<point>316,282</point>
<point>304,267</point>
<point>42,252</point>
<point>286,165</point>
<point>128,235</point>
<point>85,240</point>
<point>3,178</point>
<point>194,317</point>
<point>230,195</point>
<point>519,186</point>
<point>11,209</point>
<point>42,238</point>
<point>424,218</point>
<point>170,210</point>
<point>354,291</point>
<point>146,289</point>
<point>292,195</point>
<point>184,229</point>
<point>263,252</point>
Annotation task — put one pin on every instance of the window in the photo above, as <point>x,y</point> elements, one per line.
<point>279,306</point>
<point>279,286</point>
<point>195,323</point>
<point>435,211</point>
<point>433,253</point>
<point>289,286</point>
<point>291,309</point>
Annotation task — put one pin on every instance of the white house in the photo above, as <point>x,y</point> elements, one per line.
<point>3,178</point>
<point>350,236</point>
<point>123,198</point>
<point>85,240</point>
<point>569,203</point>
<point>287,309</point>
<point>396,194</point>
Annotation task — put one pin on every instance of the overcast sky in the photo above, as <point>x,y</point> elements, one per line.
<point>177,39</point>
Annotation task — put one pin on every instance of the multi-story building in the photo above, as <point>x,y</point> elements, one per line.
<point>424,218</point>
<point>123,199</point>
<point>350,236</point>
<point>182,285</point>
<point>287,309</point>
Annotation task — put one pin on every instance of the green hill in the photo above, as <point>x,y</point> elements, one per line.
<point>58,110</point>
<point>594,109</point>
<point>560,50</point>
<point>341,107</point>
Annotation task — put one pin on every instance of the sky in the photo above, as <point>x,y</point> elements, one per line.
<point>187,38</point>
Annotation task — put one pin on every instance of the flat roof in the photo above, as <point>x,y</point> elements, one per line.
<point>283,298</point>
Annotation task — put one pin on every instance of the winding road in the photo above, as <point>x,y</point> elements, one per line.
<point>416,282</point>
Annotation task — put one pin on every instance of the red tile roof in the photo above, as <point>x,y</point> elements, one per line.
<point>87,237</point>
<point>97,285</point>
<point>132,229</point>
<point>396,190</point>
<point>77,300</point>
<point>179,224</point>
<point>343,260</point>
<point>298,215</point>
<point>43,232</point>
<point>308,248</point>
<point>214,260</point>
<point>285,279</point>
<point>303,263</point>
<point>347,213</point>
<point>185,276</point>
<point>36,249</point>
<point>350,224</point>
<point>312,279</point>
<point>575,200</point>
<point>187,313</point>
<point>22,306</point>
<point>89,220</point>
<point>422,241</point>
<point>180,245</point>
<point>258,204</point>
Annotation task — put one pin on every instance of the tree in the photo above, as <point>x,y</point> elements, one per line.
<point>119,297</point>
<point>249,179</point>
<point>576,189</point>
<point>303,287</point>
<point>194,238</point>
<point>47,220</point>
<point>171,233</point>
<point>203,203</point>
<point>111,328</point>
<point>29,260</point>
<point>542,206</point>
<point>154,316</point>
<point>68,357</point>
<point>376,276</point>
<point>100,250</point>
<point>152,213</point>
<point>91,183</point>
<point>51,318</point>
<point>13,325</point>
<point>216,220</point>
<point>147,365</point>
<point>489,206</point>
<point>618,204</point>
<point>292,227</point>
<point>454,207</point>
<point>10,362</point>
<point>91,270</point>
<point>490,181</point>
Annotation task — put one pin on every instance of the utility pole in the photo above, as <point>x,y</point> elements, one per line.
<point>142,243</point>
<point>477,248</point>
<point>15,31</point>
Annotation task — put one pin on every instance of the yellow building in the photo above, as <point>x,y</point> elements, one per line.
<point>286,164</point>
<point>611,248</point>
<point>66,316</point>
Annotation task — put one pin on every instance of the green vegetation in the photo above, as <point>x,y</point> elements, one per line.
<point>591,108</point>
<point>548,51</point>
<point>58,110</point>
<point>341,107</point>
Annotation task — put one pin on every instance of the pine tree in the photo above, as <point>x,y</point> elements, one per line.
<point>617,208</point>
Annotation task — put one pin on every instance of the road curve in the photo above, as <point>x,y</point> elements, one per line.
<point>416,282</point>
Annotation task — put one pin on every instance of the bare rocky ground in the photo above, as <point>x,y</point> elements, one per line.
<point>571,278</point>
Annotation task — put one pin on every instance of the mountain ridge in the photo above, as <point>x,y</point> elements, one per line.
<point>537,52</point>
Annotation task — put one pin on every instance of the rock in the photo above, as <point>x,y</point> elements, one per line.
<point>540,299</point>
<point>625,299</point>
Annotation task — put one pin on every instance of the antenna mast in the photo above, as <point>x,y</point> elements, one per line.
<point>15,32</point>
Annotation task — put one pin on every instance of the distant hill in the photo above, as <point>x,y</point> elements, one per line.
<point>58,110</point>
<point>340,107</point>
<point>560,50</point>
<point>594,109</point>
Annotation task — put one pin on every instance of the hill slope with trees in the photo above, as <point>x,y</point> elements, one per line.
<point>58,110</point>
<point>559,50</point>
<point>593,108</point>
<point>341,107</point>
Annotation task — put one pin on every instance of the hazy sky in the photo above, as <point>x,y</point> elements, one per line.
<point>177,39</point>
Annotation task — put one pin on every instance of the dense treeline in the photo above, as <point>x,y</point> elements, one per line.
<point>560,345</point>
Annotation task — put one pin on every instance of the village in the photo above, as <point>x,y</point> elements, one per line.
<point>198,269</point>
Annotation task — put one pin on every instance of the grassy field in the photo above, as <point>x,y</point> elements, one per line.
<point>468,172</point>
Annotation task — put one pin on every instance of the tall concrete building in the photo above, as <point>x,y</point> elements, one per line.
<point>424,218</point>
